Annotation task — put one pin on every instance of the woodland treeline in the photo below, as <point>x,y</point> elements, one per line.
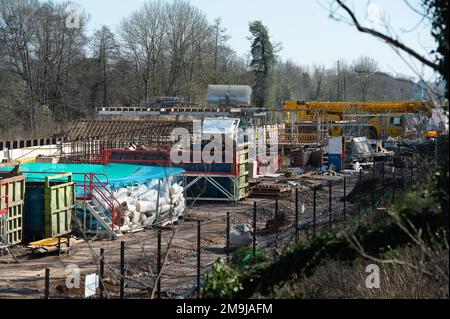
<point>52,72</point>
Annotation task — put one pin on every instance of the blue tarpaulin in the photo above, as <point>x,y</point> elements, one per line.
<point>117,175</point>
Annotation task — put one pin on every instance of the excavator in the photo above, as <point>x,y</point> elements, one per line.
<point>377,119</point>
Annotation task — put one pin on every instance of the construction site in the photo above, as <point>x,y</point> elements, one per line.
<point>145,199</point>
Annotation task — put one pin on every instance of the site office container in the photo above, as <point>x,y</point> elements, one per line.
<point>12,194</point>
<point>49,207</point>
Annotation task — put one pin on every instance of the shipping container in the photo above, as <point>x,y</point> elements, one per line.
<point>12,193</point>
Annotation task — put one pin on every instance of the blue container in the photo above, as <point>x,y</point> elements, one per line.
<point>204,189</point>
<point>34,212</point>
<point>336,160</point>
<point>207,168</point>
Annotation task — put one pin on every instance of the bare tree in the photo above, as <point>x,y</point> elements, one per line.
<point>184,23</point>
<point>19,26</point>
<point>388,39</point>
<point>41,49</point>
<point>364,69</point>
<point>143,37</point>
<point>106,52</point>
<point>220,38</point>
<point>318,77</point>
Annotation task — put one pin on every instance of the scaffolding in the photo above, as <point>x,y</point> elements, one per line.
<point>301,130</point>
<point>182,111</point>
<point>84,140</point>
<point>149,143</point>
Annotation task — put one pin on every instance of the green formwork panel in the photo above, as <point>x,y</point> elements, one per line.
<point>16,191</point>
<point>12,220</point>
<point>243,192</point>
<point>242,153</point>
<point>243,188</point>
<point>59,206</point>
<point>243,156</point>
<point>14,224</point>
<point>243,181</point>
<point>243,169</point>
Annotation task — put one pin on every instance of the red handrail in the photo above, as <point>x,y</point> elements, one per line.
<point>6,197</point>
<point>113,200</point>
<point>92,197</point>
<point>93,189</point>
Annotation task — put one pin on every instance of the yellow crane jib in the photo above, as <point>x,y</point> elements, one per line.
<point>368,107</point>
<point>382,119</point>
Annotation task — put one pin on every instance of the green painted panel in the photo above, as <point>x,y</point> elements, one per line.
<point>243,181</point>
<point>243,169</point>
<point>11,226</point>
<point>243,192</point>
<point>59,205</point>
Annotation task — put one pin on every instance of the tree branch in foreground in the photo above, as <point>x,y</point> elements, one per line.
<point>387,38</point>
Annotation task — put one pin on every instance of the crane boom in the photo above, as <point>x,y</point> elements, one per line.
<point>396,107</point>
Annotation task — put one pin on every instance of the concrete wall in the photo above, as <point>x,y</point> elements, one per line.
<point>23,154</point>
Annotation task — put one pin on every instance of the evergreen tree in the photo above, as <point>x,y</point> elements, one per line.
<point>262,65</point>
<point>437,12</point>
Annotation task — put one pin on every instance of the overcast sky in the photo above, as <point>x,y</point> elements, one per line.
<point>303,27</point>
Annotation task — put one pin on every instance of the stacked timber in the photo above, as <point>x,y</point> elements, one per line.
<point>271,190</point>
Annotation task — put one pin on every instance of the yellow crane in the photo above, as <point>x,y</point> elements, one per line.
<point>381,119</point>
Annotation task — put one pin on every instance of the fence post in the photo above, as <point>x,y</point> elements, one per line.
<point>345,198</point>
<point>436,154</point>
<point>296,214</point>
<point>403,179</point>
<point>198,258</point>
<point>417,168</point>
<point>374,167</point>
<point>276,223</point>
<point>360,175</point>
<point>394,182</point>
<point>158,266</point>
<point>254,231</point>
<point>47,284</point>
<point>411,169</point>
<point>383,186</point>
<point>228,237</point>
<point>330,208</point>
<point>102,271</point>
<point>122,269</point>
<point>314,211</point>
<point>373,188</point>
<point>360,191</point>
<point>157,201</point>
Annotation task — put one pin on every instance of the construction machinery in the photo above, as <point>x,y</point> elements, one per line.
<point>376,120</point>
